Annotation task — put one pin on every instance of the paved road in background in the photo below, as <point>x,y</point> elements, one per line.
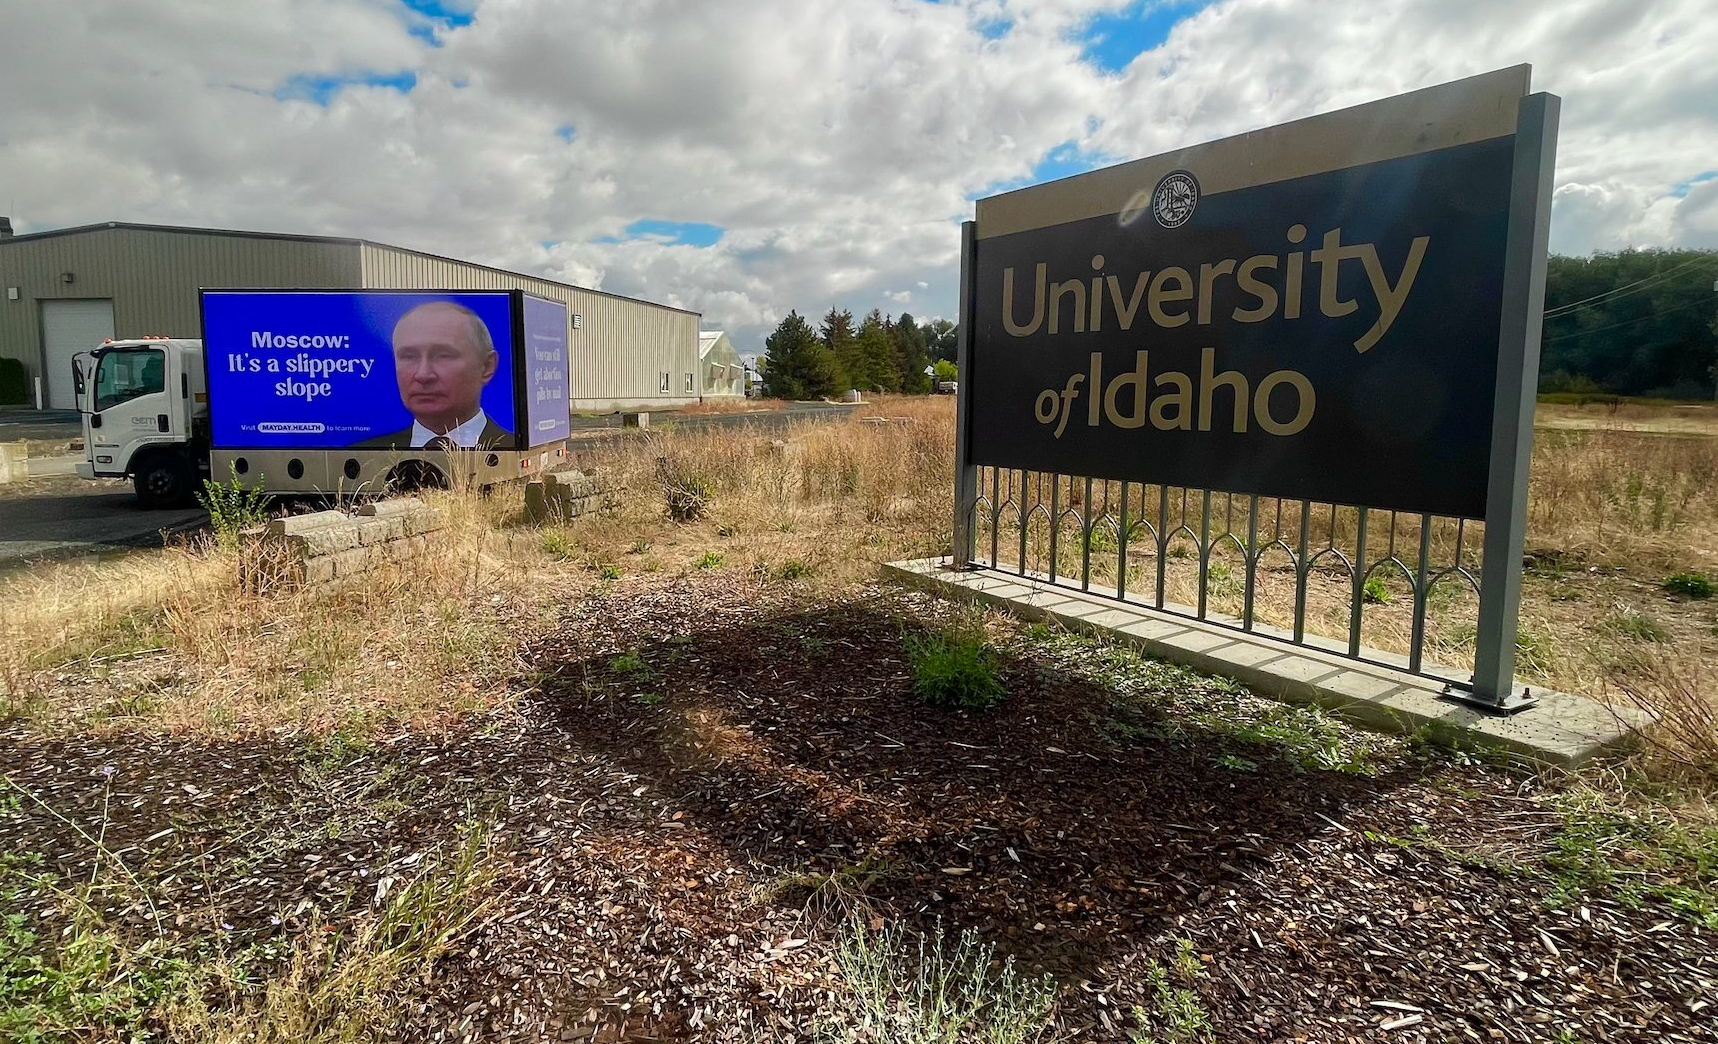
<point>38,425</point>
<point>56,514</point>
<point>65,515</point>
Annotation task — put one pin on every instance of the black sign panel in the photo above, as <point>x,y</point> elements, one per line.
<point>1332,337</point>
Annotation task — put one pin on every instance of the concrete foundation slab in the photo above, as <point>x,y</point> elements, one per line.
<point>1562,729</point>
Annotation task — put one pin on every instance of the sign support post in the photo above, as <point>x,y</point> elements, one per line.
<point>1512,424</point>
<point>965,473</point>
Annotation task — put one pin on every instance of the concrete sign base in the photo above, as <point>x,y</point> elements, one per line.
<point>1563,730</point>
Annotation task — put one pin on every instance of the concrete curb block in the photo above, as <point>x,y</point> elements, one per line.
<point>561,496</point>
<point>14,461</point>
<point>1563,730</point>
<point>330,546</point>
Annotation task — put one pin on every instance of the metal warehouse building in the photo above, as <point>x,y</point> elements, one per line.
<point>68,289</point>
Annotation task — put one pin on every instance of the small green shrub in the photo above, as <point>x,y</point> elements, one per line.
<point>708,560</point>
<point>608,572</point>
<point>557,543</point>
<point>233,507</point>
<point>1373,592</point>
<point>1690,585</point>
<point>1220,580</point>
<point>1103,539</point>
<point>926,991</point>
<point>1631,623</point>
<point>794,569</point>
<point>1176,1012</point>
<point>954,668</point>
<point>629,663</point>
<point>14,383</point>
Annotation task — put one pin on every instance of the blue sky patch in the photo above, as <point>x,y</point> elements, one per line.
<point>1062,161</point>
<point>321,89</point>
<point>1681,189</point>
<point>1113,40</point>
<point>677,233</point>
<point>444,16</point>
<point>566,132</point>
<point>1065,160</point>
<point>442,11</point>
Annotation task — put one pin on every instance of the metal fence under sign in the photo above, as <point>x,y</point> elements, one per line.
<point>1299,362</point>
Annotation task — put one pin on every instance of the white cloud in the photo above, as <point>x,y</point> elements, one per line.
<point>836,141</point>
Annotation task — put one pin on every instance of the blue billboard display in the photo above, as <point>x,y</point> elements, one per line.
<point>370,369</point>
<point>544,347</point>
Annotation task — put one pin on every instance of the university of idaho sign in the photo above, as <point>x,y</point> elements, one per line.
<point>1310,311</point>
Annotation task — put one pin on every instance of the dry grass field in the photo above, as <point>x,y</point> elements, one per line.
<point>172,639</point>
<point>667,773</point>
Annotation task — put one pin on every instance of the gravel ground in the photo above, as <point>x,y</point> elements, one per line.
<point>710,777</point>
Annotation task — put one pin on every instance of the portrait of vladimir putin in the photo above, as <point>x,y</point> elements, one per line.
<point>443,357</point>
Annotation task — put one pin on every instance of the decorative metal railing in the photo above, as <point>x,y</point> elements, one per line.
<point>1375,585</point>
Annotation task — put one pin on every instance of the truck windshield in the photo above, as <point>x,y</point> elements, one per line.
<point>124,374</point>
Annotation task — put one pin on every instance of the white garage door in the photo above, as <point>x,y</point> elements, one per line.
<point>70,327</point>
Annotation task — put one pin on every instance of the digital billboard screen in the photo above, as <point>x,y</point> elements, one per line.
<point>361,369</point>
<point>544,347</point>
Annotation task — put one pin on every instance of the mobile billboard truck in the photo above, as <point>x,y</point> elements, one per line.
<point>335,392</point>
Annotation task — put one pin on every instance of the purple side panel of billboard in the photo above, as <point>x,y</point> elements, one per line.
<point>543,347</point>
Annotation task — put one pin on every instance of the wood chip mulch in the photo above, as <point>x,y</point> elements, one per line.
<point>710,777</point>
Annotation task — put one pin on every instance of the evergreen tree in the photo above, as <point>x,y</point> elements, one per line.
<point>796,365</point>
<point>914,355</point>
<point>876,352</point>
<point>838,337</point>
<point>940,338</point>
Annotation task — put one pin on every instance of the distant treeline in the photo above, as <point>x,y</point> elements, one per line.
<point>1641,322</point>
<point>878,354</point>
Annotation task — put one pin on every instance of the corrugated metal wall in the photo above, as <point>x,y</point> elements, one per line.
<point>152,278</point>
<point>620,351</point>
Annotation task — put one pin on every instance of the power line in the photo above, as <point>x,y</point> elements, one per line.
<point>1628,322</point>
<point>1627,288</point>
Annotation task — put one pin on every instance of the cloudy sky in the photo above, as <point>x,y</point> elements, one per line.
<point>745,157</point>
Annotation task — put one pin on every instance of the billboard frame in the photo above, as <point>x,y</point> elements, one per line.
<point>518,383</point>
<point>1492,685</point>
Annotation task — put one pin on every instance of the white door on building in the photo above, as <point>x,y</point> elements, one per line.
<point>70,327</point>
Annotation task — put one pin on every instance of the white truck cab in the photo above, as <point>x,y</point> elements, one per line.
<point>145,411</point>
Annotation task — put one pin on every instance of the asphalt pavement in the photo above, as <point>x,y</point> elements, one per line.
<point>35,426</point>
<point>65,515</point>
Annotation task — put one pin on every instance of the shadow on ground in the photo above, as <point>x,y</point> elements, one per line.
<point>795,741</point>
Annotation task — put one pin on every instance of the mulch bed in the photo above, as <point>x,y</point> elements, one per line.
<point>666,819</point>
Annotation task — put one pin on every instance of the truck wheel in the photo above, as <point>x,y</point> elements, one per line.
<point>410,476</point>
<point>162,481</point>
